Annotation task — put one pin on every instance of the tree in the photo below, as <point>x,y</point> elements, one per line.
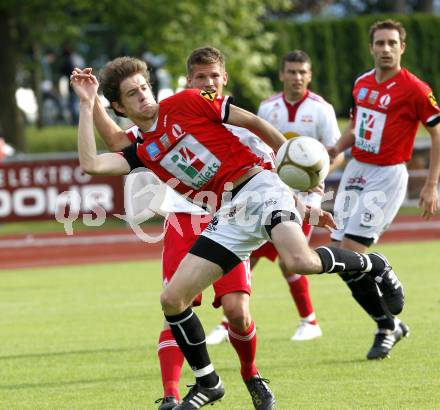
<point>171,28</point>
<point>235,27</point>
<point>11,122</point>
<point>26,27</point>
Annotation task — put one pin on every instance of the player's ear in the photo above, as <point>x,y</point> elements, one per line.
<point>281,75</point>
<point>403,47</point>
<point>118,107</point>
<point>225,78</point>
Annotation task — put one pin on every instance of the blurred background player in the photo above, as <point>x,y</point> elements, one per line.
<point>388,104</point>
<point>205,70</point>
<point>295,111</point>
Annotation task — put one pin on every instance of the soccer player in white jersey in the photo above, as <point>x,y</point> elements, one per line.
<point>185,143</point>
<point>298,111</point>
<point>205,70</point>
<point>388,104</point>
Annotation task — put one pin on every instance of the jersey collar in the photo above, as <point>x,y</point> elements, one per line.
<point>293,108</point>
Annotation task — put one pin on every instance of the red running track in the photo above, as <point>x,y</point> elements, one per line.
<point>104,246</point>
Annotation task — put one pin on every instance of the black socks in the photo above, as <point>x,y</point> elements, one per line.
<point>190,336</point>
<point>365,292</point>
<point>341,260</point>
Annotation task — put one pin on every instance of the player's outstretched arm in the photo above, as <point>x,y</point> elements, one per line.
<point>428,200</point>
<point>260,127</point>
<point>90,161</point>
<point>114,137</point>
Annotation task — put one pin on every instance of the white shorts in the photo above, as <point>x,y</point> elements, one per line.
<point>239,224</point>
<point>369,197</point>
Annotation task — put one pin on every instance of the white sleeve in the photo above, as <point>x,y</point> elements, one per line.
<point>261,112</point>
<point>145,195</point>
<point>329,132</point>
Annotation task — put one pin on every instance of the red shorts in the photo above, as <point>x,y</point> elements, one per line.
<point>268,250</point>
<point>177,244</point>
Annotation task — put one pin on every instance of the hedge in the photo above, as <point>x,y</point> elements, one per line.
<point>339,51</point>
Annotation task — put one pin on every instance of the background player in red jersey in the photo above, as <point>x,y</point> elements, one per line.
<point>205,70</point>
<point>389,103</point>
<point>208,163</point>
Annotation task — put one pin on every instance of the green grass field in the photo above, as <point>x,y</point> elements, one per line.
<point>84,337</point>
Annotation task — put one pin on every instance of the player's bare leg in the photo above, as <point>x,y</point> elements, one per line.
<point>220,333</point>
<point>243,337</point>
<point>193,275</point>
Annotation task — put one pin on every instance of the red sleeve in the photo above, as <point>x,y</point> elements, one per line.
<point>132,133</point>
<point>205,104</point>
<point>427,109</point>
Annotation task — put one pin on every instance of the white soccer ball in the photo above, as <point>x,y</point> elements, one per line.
<point>302,163</point>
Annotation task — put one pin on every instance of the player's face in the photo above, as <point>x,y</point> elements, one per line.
<point>137,99</point>
<point>296,78</point>
<point>208,77</point>
<point>387,49</point>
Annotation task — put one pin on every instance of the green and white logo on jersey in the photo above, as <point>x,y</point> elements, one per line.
<point>191,162</point>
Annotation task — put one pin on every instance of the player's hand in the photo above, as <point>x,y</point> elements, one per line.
<point>84,83</point>
<point>333,152</point>
<point>319,189</point>
<point>318,217</point>
<point>428,201</point>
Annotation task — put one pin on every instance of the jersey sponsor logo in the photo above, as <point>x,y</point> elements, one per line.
<point>391,85</point>
<point>212,226</point>
<point>357,180</point>
<point>153,150</point>
<point>306,118</point>
<point>362,93</point>
<point>369,125</point>
<point>191,162</point>
<point>373,97</point>
<point>177,131</point>
<point>273,118</point>
<point>384,101</point>
<point>355,183</point>
<point>432,100</point>
<point>165,141</point>
<point>208,95</point>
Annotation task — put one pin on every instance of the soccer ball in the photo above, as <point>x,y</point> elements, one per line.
<point>302,163</point>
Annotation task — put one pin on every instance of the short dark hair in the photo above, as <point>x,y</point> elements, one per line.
<point>117,70</point>
<point>387,25</point>
<point>204,56</point>
<point>295,56</point>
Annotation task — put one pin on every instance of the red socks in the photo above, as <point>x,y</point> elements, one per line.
<point>245,344</point>
<point>299,289</point>
<point>171,361</point>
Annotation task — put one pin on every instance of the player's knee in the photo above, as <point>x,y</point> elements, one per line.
<point>171,302</point>
<point>306,263</point>
<point>286,273</point>
<point>238,315</point>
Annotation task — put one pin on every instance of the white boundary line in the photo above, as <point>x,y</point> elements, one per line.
<point>32,242</point>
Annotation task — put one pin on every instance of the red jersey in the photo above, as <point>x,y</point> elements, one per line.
<point>386,116</point>
<point>190,144</point>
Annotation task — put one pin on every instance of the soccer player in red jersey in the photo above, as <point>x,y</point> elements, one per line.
<point>186,145</point>
<point>296,111</point>
<point>389,104</point>
<point>205,70</point>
